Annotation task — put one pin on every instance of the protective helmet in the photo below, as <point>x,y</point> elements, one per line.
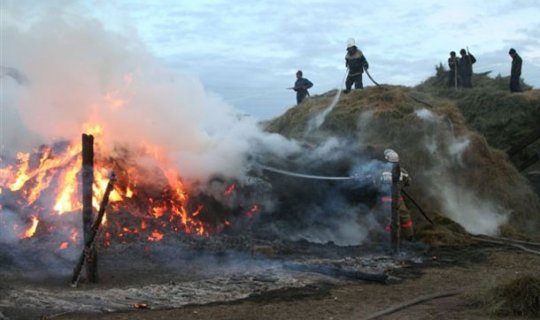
<point>512,51</point>
<point>350,43</point>
<point>391,156</point>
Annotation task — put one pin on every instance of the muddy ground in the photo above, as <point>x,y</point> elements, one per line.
<point>472,269</point>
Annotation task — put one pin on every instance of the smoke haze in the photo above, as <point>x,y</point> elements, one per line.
<point>81,74</point>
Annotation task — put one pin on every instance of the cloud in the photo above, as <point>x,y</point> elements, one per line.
<point>248,52</point>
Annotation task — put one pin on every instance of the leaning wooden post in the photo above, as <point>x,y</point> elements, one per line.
<point>90,244</point>
<point>396,194</point>
<point>87,210</point>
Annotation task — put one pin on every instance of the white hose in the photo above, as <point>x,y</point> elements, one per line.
<point>301,175</point>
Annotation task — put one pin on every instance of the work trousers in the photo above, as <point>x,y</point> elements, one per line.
<point>514,84</point>
<point>356,79</point>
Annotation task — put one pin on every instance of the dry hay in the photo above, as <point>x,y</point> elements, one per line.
<point>379,118</point>
<point>443,232</point>
<point>519,297</point>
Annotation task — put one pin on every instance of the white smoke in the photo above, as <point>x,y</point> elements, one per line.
<point>9,223</point>
<point>81,73</point>
<point>476,214</point>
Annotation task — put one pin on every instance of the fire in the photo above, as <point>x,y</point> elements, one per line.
<point>22,174</point>
<point>66,201</point>
<point>198,211</point>
<point>93,129</point>
<point>74,235</point>
<point>155,236</point>
<point>28,233</point>
<point>230,189</point>
<point>146,203</point>
<point>129,192</point>
<point>252,211</point>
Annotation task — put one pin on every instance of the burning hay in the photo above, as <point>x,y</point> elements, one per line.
<point>148,202</point>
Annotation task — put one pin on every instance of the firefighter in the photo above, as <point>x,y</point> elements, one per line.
<point>453,73</point>
<point>465,67</point>
<point>356,62</point>
<point>300,86</point>
<point>405,221</point>
<point>515,72</point>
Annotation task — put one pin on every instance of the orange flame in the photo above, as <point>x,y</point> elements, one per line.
<point>66,201</point>
<point>129,192</point>
<point>155,236</point>
<point>22,174</point>
<point>28,233</point>
<point>57,169</point>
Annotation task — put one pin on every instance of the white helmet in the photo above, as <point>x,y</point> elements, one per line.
<point>350,43</point>
<point>391,156</point>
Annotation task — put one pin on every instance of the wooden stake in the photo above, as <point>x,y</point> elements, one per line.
<point>87,210</point>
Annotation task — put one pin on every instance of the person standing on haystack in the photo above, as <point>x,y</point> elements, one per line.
<point>356,62</point>
<point>465,67</point>
<point>515,72</point>
<point>453,74</point>
<point>300,86</point>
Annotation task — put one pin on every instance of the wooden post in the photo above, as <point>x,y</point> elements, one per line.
<point>87,210</point>
<point>89,245</point>
<point>395,192</point>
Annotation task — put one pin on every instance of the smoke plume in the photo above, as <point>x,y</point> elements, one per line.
<point>81,74</point>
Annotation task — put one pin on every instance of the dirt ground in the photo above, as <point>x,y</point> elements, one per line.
<point>471,269</point>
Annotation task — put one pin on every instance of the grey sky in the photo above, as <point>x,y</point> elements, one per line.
<point>249,51</point>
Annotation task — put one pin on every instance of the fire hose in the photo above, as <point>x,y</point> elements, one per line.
<point>372,80</point>
<point>411,96</point>
<point>302,175</point>
<point>310,176</point>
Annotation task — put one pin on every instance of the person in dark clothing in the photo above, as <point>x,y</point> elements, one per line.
<point>515,73</point>
<point>465,68</point>
<point>356,62</point>
<point>453,74</point>
<point>300,86</point>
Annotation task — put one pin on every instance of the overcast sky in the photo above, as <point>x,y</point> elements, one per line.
<point>248,51</point>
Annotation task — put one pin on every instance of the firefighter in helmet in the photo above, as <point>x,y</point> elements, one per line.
<point>405,221</point>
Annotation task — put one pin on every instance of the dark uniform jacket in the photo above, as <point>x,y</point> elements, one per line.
<point>301,85</point>
<point>356,63</point>
<point>465,64</point>
<point>516,66</point>
<point>453,63</point>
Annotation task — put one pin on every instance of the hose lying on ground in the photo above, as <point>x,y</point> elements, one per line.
<point>413,302</point>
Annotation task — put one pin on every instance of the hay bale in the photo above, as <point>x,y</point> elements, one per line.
<point>519,297</point>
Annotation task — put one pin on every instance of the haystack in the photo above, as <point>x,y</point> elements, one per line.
<point>455,171</point>
<point>519,297</point>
